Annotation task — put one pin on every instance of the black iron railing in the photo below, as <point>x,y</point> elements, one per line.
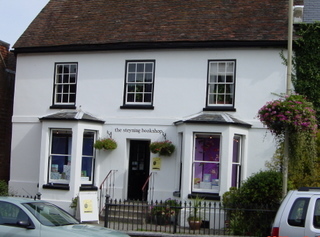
<point>172,216</point>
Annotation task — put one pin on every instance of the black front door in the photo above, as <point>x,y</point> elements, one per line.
<point>139,162</point>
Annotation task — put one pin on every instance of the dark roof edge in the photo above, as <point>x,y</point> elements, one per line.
<point>214,122</point>
<point>150,45</point>
<point>71,119</point>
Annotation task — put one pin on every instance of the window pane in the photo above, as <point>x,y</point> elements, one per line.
<point>130,97</point>
<point>59,69</point>
<point>88,140</point>
<point>148,88</point>
<point>147,97</point>
<point>222,68</point>
<point>132,67</point>
<point>149,67</point>
<point>139,77</point>
<point>297,215</point>
<point>86,169</point>
<point>140,67</point>
<point>131,77</point>
<point>148,77</point>
<point>61,142</point>
<point>139,97</point>
<point>66,69</point>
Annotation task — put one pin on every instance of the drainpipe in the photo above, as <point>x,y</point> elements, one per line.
<point>288,92</point>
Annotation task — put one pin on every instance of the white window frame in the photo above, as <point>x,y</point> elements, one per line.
<point>203,185</point>
<point>221,83</point>
<point>139,83</point>
<point>65,84</point>
<point>88,179</point>
<point>237,139</point>
<point>63,177</point>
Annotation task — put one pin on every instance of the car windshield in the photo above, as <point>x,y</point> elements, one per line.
<point>49,214</point>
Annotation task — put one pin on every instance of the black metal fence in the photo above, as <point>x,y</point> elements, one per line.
<point>170,216</point>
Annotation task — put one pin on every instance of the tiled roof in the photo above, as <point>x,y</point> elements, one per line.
<point>72,115</point>
<point>105,22</point>
<point>214,118</point>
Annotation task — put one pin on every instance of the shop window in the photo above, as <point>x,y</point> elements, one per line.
<point>87,165</point>
<point>60,156</point>
<point>236,162</point>
<point>206,163</point>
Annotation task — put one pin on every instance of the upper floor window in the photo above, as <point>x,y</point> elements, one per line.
<point>139,83</point>
<point>221,83</point>
<point>65,84</point>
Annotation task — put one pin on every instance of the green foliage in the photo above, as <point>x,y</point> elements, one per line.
<point>303,170</point>
<point>306,63</point>
<point>260,191</point>
<point>195,209</point>
<point>165,148</point>
<point>106,144</point>
<point>4,191</point>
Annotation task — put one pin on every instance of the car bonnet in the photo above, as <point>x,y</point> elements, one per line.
<point>88,230</point>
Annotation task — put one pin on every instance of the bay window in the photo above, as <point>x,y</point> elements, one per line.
<point>206,163</point>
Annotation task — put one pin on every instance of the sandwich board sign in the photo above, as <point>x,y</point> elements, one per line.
<point>88,206</point>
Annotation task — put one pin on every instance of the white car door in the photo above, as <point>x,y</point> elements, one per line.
<point>312,227</point>
<point>14,222</point>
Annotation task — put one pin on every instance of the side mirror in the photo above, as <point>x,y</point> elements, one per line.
<point>26,224</point>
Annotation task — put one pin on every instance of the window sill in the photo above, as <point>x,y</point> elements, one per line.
<point>206,196</point>
<point>63,107</point>
<point>88,188</point>
<point>219,108</point>
<point>137,107</point>
<point>56,186</point>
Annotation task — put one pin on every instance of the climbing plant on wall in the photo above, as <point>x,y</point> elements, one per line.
<point>306,62</point>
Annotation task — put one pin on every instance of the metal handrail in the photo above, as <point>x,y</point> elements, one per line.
<point>109,180</point>
<point>143,189</point>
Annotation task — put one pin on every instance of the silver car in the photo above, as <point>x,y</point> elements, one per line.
<point>27,217</point>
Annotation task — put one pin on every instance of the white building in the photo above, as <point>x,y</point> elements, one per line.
<point>149,73</point>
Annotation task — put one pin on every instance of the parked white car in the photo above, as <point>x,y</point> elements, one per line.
<point>299,214</point>
<point>26,217</point>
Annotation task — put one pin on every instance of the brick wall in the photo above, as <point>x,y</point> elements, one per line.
<point>7,77</point>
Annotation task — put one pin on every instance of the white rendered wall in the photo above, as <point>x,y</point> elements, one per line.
<point>179,92</point>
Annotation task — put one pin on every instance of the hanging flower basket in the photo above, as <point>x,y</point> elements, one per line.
<point>165,148</point>
<point>105,144</point>
<point>291,112</point>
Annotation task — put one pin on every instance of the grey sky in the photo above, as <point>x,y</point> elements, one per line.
<point>15,17</point>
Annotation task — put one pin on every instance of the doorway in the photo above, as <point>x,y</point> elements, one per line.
<point>139,162</point>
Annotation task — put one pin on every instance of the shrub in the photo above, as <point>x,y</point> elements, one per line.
<point>260,191</point>
<point>4,191</point>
